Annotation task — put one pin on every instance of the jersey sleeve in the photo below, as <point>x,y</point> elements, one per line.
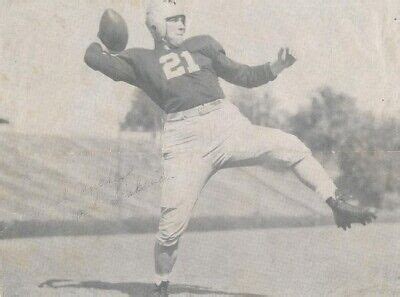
<point>234,72</point>
<point>117,67</point>
<point>241,74</point>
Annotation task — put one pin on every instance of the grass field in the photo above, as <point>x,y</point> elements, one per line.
<point>78,217</point>
<point>318,261</point>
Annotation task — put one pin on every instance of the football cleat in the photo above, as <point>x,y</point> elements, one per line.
<point>346,214</point>
<point>160,290</point>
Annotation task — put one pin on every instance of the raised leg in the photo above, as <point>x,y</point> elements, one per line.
<point>266,145</point>
<point>255,145</point>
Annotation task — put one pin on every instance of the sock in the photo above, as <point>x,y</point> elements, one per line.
<point>158,279</point>
<point>326,190</point>
<point>313,175</point>
<point>332,202</point>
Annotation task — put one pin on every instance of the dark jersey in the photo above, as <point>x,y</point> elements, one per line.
<point>180,78</point>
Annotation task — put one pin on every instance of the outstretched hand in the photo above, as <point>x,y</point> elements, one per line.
<point>285,60</point>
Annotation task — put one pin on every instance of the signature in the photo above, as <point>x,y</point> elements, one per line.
<point>140,186</point>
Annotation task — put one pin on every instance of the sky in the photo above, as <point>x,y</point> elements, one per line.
<point>45,87</point>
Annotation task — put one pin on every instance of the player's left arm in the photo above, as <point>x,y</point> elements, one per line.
<point>241,74</point>
<point>250,76</point>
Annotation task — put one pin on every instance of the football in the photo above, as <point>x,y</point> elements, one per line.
<point>113,31</point>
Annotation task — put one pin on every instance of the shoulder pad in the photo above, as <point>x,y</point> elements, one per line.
<point>203,42</point>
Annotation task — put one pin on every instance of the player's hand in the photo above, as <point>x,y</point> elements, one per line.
<point>100,48</point>
<point>92,53</point>
<point>95,47</point>
<point>285,60</point>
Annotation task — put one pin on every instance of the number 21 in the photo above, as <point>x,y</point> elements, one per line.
<point>172,64</point>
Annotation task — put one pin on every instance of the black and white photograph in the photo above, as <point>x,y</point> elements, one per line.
<point>155,148</point>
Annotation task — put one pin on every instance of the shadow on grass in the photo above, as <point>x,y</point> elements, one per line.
<point>139,289</point>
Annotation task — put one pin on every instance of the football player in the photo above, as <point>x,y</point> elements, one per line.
<point>203,131</point>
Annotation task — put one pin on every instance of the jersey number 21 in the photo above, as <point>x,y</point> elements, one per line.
<point>172,64</point>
